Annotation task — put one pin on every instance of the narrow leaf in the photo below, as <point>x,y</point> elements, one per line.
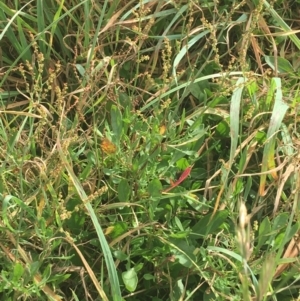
<point>278,113</point>
<point>116,122</point>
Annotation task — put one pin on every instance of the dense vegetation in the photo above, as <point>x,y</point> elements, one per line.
<point>149,150</point>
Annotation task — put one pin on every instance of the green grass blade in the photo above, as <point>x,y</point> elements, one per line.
<point>235,116</point>
<point>185,49</point>
<point>23,51</point>
<point>55,29</point>
<point>113,277</point>
<point>14,16</point>
<point>278,114</point>
<point>87,23</point>
<point>41,26</point>
<point>283,25</point>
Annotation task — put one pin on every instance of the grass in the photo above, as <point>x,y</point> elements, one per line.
<point>149,150</point>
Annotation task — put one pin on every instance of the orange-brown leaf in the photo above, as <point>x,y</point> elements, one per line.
<point>107,146</point>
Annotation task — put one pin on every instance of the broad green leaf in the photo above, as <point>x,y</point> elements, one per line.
<point>223,129</point>
<point>118,229</point>
<point>120,255</point>
<point>205,227</point>
<point>125,100</point>
<point>197,89</point>
<point>155,188</point>
<point>283,65</point>
<point>76,221</point>
<point>18,271</point>
<point>183,252</point>
<point>280,221</point>
<point>178,290</point>
<point>263,233</point>
<point>124,191</point>
<point>183,163</point>
<point>130,279</point>
<point>148,277</point>
<point>260,137</point>
<point>116,122</point>
<point>279,230</point>
<point>80,69</point>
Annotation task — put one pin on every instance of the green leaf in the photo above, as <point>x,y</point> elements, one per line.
<point>183,252</point>
<point>124,191</point>
<point>277,232</point>
<point>293,231</point>
<point>181,234</point>
<point>130,279</point>
<point>278,241</point>
<point>125,100</point>
<point>206,226</point>
<point>278,113</point>
<point>155,188</point>
<point>260,137</point>
<point>76,221</point>
<point>178,290</point>
<point>60,278</point>
<point>138,267</point>
<point>120,255</point>
<point>148,277</point>
<point>18,271</point>
<point>80,69</point>
<point>263,233</point>
<point>118,229</point>
<point>178,223</point>
<point>34,267</point>
<point>183,163</point>
<point>248,187</point>
<point>223,129</point>
<point>116,122</point>
<point>198,89</point>
<point>235,116</point>
<point>283,65</point>
<point>280,222</point>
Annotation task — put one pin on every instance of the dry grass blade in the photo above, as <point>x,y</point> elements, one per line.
<point>290,169</point>
<point>291,252</point>
<point>89,270</point>
<point>113,19</point>
<point>278,168</point>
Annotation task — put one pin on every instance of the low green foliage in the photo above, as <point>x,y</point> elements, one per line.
<point>149,150</point>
